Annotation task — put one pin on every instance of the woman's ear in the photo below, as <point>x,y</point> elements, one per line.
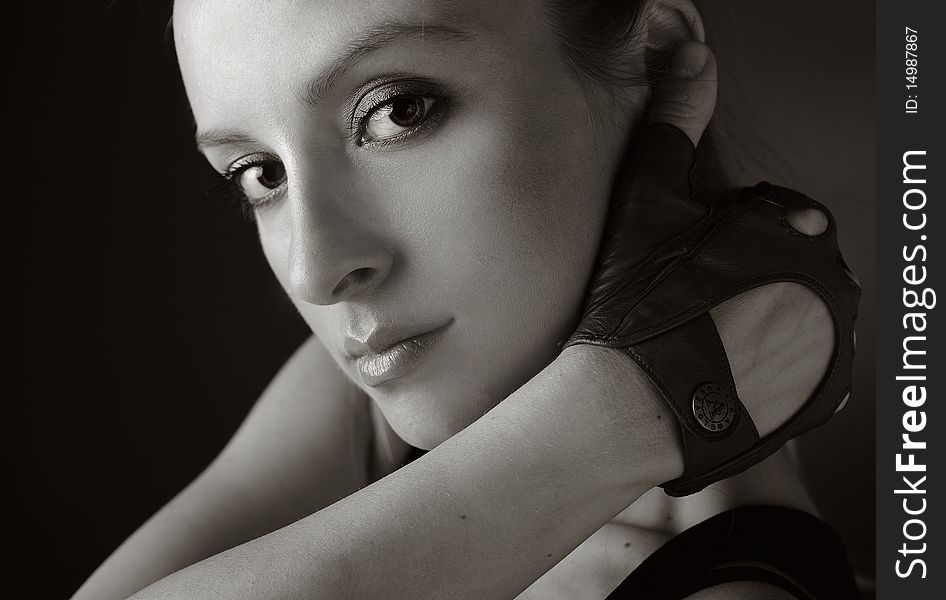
<point>643,66</point>
<point>662,27</point>
<point>670,22</point>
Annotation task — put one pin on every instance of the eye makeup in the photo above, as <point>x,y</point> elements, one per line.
<point>387,100</point>
<point>383,93</point>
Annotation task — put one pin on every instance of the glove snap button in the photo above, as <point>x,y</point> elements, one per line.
<point>713,408</point>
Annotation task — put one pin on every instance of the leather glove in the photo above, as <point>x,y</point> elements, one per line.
<point>676,246</point>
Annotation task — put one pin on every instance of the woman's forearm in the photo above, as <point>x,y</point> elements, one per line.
<point>481,516</point>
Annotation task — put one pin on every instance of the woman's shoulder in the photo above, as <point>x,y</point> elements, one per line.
<point>310,377</point>
<point>312,372</point>
<point>775,481</point>
<point>309,418</point>
<point>310,358</point>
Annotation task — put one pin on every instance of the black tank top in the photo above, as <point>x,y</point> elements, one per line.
<point>781,546</point>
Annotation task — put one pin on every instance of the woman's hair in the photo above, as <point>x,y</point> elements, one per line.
<point>596,39</point>
<point>594,36</point>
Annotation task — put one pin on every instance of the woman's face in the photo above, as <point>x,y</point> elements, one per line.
<point>418,168</point>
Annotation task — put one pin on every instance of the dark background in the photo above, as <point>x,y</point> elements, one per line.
<point>145,321</point>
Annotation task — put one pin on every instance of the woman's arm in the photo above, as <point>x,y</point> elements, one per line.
<point>490,510</point>
<point>575,445</point>
<point>303,446</point>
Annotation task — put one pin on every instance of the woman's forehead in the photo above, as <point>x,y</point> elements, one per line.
<point>230,48</point>
<point>254,25</point>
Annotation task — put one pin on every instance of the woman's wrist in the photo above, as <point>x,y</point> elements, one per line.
<point>643,430</point>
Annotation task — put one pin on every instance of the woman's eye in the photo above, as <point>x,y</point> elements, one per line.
<point>396,117</point>
<point>257,181</point>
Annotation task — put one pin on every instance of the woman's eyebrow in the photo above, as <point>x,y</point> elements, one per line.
<point>373,39</point>
<point>376,37</point>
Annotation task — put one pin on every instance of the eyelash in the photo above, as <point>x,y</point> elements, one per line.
<point>359,123</point>
<point>229,188</point>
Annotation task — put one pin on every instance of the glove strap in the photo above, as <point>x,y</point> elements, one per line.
<point>723,264</point>
<point>689,366</point>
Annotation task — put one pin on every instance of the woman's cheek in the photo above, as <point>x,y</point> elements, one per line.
<point>276,252</point>
<point>275,240</point>
<point>526,214</point>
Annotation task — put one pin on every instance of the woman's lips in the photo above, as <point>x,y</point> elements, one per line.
<point>398,359</point>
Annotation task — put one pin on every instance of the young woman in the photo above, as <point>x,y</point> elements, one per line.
<point>434,187</point>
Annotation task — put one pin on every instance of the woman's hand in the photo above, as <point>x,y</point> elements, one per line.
<point>779,338</point>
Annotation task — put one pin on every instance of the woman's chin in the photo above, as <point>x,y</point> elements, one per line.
<point>425,418</point>
<point>450,389</point>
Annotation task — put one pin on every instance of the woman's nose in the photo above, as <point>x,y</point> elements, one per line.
<point>333,254</point>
